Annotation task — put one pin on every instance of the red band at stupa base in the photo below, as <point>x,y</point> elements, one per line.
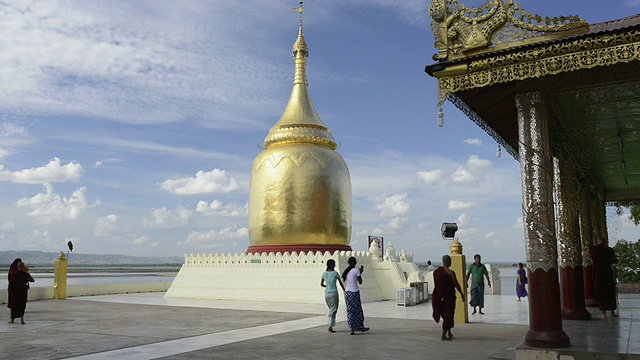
<point>259,249</point>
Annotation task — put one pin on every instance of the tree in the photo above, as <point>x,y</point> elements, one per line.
<point>634,213</point>
<point>628,267</point>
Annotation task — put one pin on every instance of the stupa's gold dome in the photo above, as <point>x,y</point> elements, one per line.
<point>300,193</point>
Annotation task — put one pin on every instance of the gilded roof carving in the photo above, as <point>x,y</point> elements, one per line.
<point>461,31</point>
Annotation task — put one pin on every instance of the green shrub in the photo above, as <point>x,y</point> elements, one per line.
<point>628,267</point>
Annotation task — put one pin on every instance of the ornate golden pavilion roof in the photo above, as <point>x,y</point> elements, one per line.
<point>300,123</point>
<point>589,73</point>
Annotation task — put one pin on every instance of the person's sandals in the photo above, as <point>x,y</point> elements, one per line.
<point>363,329</point>
<point>331,330</point>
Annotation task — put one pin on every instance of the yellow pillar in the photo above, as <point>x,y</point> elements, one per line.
<point>60,278</point>
<point>459,266</point>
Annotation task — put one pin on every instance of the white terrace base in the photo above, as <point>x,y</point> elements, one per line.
<point>289,277</point>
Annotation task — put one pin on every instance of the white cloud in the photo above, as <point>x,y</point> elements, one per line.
<point>212,182</point>
<point>8,225</point>
<point>207,239</point>
<point>490,235</point>
<point>98,164</point>
<point>463,218</point>
<point>12,130</point>
<point>4,153</point>
<point>460,205</point>
<point>48,207</point>
<point>164,218</point>
<point>472,173</point>
<point>41,237</point>
<point>91,57</point>
<point>52,172</point>
<point>230,232</point>
<point>106,225</point>
<point>216,207</point>
<point>431,177</point>
<point>144,240</point>
<point>519,223</point>
<point>476,163</point>
<point>474,141</point>
<point>140,240</point>
<point>462,175</point>
<point>394,205</point>
<point>398,223</point>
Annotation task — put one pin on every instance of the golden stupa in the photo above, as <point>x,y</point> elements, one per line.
<point>300,193</point>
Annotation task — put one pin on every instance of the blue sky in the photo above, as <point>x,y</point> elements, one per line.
<point>129,127</point>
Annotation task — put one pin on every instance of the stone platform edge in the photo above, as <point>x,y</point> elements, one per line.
<point>46,293</point>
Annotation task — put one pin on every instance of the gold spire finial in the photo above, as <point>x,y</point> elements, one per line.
<point>300,123</point>
<point>300,10</point>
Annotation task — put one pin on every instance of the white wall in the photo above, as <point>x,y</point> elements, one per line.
<point>46,293</point>
<point>282,277</point>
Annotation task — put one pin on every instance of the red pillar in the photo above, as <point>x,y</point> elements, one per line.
<point>573,301</point>
<point>545,321</point>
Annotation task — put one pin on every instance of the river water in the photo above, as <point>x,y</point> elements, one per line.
<point>99,278</point>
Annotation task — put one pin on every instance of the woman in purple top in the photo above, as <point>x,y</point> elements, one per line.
<point>521,282</point>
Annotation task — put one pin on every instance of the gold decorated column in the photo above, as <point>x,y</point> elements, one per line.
<point>60,277</point>
<point>536,175</point>
<point>459,266</point>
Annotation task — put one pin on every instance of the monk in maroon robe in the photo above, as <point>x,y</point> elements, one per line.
<point>604,282</point>
<point>443,297</point>
<point>12,269</point>
<point>19,280</point>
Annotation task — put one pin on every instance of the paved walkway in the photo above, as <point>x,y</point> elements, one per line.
<point>148,326</point>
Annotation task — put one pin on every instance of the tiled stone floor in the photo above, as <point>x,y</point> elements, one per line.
<point>148,326</point>
<point>619,335</point>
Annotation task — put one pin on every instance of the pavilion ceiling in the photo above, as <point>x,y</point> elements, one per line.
<point>595,117</point>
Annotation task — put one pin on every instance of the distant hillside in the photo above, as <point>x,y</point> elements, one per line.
<point>41,258</point>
